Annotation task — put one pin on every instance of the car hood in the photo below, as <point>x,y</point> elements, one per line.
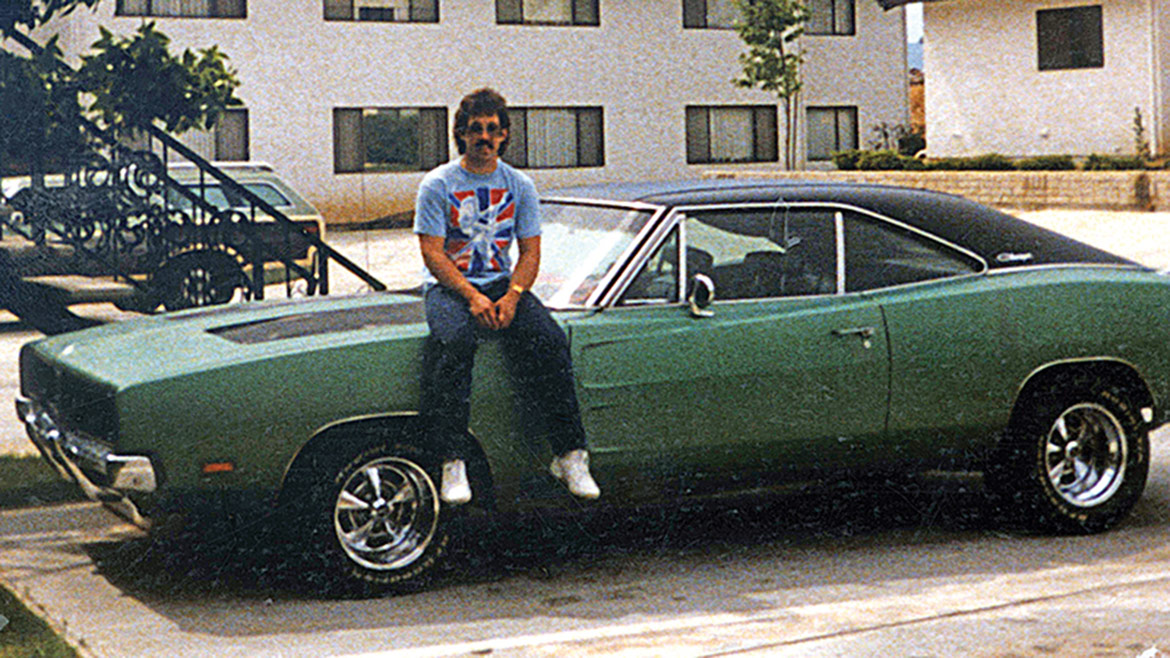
<point>160,347</point>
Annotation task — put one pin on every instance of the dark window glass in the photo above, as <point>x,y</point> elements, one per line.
<point>389,139</point>
<point>556,137</point>
<point>763,252</point>
<point>831,17</point>
<point>183,8</point>
<point>733,133</point>
<point>1070,38</point>
<point>711,14</point>
<point>390,11</point>
<point>829,130</point>
<point>548,12</point>
<point>879,255</point>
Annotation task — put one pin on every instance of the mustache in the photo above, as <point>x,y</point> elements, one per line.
<point>483,142</point>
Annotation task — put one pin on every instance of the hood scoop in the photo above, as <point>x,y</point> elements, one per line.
<point>318,323</point>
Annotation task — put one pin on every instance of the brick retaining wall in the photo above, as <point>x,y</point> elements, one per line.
<point>1106,190</point>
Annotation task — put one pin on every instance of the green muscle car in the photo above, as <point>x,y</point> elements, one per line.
<point>726,336</point>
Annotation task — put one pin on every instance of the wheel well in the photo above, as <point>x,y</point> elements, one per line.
<point>335,444</point>
<point>1121,374</point>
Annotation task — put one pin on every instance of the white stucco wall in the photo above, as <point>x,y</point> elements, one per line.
<point>985,92</point>
<point>640,65</point>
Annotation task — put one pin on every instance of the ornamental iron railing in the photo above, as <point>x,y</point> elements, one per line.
<point>118,211</point>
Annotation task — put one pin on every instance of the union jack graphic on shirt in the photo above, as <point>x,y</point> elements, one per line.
<point>482,224</point>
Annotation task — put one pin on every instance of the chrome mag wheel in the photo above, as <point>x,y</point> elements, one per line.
<point>1085,454</point>
<point>386,514</point>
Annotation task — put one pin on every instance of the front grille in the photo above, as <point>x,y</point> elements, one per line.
<point>78,403</point>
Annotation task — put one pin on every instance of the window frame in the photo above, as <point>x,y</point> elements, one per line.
<point>835,30</point>
<point>584,13</point>
<point>696,15</point>
<point>432,9</point>
<point>837,110</point>
<point>1055,38</point>
<point>215,13</point>
<point>765,148</point>
<point>439,139</point>
<point>518,117</point>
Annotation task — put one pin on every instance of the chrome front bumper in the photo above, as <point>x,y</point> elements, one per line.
<point>72,454</point>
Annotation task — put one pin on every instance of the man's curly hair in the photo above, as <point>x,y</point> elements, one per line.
<point>481,102</point>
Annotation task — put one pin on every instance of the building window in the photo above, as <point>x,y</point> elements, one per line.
<point>721,14</point>
<point>393,11</point>
<point>551,137</point>
<point>1070,38</point>
<point>831,129</point>
<point>183,8</point>
<point>831,17</point>
<point>741,133</point>
<point>389,139</point>
<point>547,12</point>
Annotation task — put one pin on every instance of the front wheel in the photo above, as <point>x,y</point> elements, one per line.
<point>378,522</point>
<point>1075,458</point>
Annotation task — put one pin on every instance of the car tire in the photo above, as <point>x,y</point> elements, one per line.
<point>1074,460</point>
<point>198,278</point>
<point>378,524</point>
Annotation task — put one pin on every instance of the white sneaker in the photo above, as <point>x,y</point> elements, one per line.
<point>455,489</point>
<point>572,468</point>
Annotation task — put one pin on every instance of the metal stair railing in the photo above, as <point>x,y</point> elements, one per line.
<point>117,211</point>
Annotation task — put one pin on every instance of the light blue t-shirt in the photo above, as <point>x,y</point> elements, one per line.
<point>479,216</point>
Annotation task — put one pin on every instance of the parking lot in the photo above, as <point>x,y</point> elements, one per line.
<point>854,571</point>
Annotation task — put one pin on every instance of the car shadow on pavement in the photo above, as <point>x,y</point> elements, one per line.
<point>606,564</point>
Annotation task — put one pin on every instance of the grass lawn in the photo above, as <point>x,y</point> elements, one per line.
<point>27,481</point>
<point>25,635</point>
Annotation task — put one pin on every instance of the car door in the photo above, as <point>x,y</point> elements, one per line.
<point>787,374</point>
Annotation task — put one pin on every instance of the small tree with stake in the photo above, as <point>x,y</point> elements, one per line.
<point>770,29</point>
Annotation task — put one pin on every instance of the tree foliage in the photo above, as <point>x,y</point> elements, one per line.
<point>770,29</point>
<point>136,80</point>
<point>124,84</point>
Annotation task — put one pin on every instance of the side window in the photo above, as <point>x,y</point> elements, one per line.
<point>879,255</point>
<point>764,252</point>
<point>658,280</point>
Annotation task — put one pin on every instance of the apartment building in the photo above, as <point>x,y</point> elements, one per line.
<point>352,100</point>
<point>1031,77</point>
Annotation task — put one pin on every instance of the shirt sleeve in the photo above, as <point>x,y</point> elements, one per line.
<point>527,208</point>
<point>430,208</point>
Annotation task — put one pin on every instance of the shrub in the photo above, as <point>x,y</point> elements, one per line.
<point>1047,163</point>
<point>1113,162</point>
<point>991,162</point>
<point>911,144</point>
<point>884,160</point>
<point>846,160</point>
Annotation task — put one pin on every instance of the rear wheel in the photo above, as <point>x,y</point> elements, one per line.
<point>1075,458</point>
<point>377,521</point>
<point>199,278</point>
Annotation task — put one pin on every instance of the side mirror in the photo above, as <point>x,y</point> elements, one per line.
<point>702,294</point>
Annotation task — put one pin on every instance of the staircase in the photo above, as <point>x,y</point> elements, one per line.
<point>117,215</point>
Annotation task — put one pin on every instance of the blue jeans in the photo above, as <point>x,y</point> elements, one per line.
<point>537,354</point>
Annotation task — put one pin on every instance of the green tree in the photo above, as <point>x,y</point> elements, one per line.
<point>770,29</point>
<point>124,85</point>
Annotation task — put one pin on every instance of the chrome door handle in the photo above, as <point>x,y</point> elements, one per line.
<point>865,333</point>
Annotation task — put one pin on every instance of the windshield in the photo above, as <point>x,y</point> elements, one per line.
<point>222,199</point>
<point>579,246</point>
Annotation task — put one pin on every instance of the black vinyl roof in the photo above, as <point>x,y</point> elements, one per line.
<point>997,237</point>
